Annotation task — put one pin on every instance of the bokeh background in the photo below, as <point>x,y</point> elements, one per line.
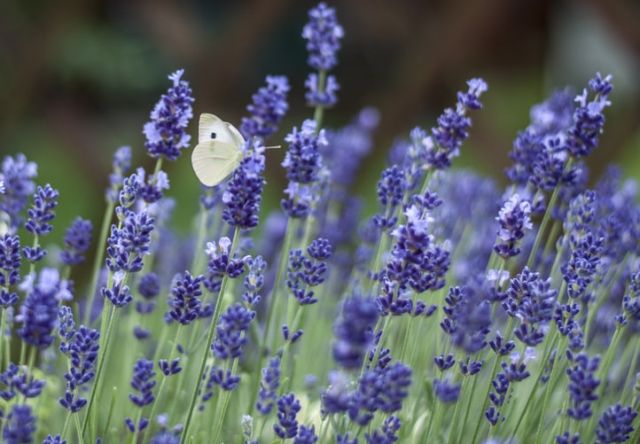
<point>78,78</point>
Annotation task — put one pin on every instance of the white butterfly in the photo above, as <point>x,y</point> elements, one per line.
<point>218,152</point>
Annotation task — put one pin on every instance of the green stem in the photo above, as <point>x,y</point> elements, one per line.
<point>220,415</point>
<point>97,261</point>
<point>210,334</point>
<point>545,219</point>
<point>319,110</point>
<point>106,329</point>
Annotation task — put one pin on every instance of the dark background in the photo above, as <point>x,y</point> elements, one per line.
<point>79,78</point>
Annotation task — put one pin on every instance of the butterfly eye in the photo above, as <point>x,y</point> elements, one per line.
<point>213,135</point>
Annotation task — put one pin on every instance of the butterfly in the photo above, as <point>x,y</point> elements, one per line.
<point>218,152</point>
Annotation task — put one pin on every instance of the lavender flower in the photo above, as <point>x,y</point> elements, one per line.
<point>254,280</point>
<point>288,408</point>
<point>269,384</point>
<point>20,425</point>
<point>588,117</point>
<point>44,202</point>
<point>321,94</point>
<point>231,332</point>
<point>306,435</point>
<point>386,434</point>
<point>185,299</point>
<point>15,380</point>
<point>468,317</point>
<point>354,331</point>
<point>39,312</point>
<point>514,221</point>
<point>76,241</point>
<point>268,107</point>
<point>83,354</point>
<point>306,272</point>
<point>303,164</point>
<point>582,386</point>
<point>549,118</point>
<point>142,383</point>
<point>9,268</point>
<point>532,300</point>
<point>220,264</point>
<point>57,439</point>
<point>166,131</point>
<point>17,176</point>
<point>121,166</point>
<point>381,389</point>
<point>243,194</point>
<point>40,214</point>
<point>446,391</point>
<point>126,246</point>
<point>615,424</point>
<point>323,34</point>
<point>391,189</point>
<point>443,145</point>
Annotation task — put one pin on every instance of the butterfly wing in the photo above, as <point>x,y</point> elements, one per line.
<point>235,134</point>
<point>213,161</point>
<point>213,128</point>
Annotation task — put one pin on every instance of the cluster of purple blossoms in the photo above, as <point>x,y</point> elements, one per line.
<point>307,271</point>
<point>17,177</point>
<point>353,331</point>
<point>83,354</point>
<point>268,107</point>
<point>586,243</point>
<point>220,263</point>
<point>589,117</point>
<point>269,384</point>
<point>243,193</point>
<point>15,381</point>
<point>386,434</point>
<point>40,214</point>
<point>166,131</point>
<point>582,386</point>
<point>417,261</point>
<point>9,268</point>
<point>323,34</point>
<point>446,391</point>
<point>127,245</point>
<point>288,408</point>
<point>514,220</point>
<point>615,424</point>
<point>303,164</point>
<point>437,150</point>
<point>20,425</point>
<point>39,312</point>
<point>231,337</point>
<point>254,280</point>
<point>552,117</point>
<point>76,242</point>
<point>185,302</point>
<point>531,300</point>
<point>121,166</point>
<point>382,389</point>
<point>467,318</point>
<point>391,189</point>
<point>142,382</point>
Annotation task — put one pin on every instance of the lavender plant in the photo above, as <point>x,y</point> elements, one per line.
<point>458,313</point>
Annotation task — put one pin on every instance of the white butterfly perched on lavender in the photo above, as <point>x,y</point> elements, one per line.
<point>219,150</point>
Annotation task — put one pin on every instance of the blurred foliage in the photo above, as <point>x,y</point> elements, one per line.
<point>80,77</point>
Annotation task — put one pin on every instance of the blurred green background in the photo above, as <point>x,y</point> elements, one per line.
<point>78,78</point>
